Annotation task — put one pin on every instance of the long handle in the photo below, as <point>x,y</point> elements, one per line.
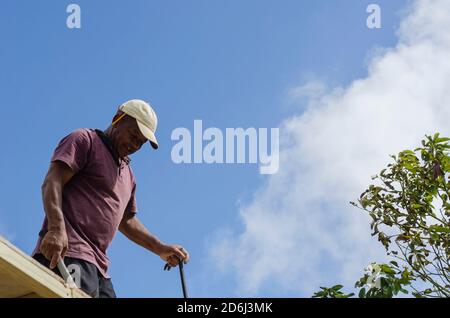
<point>183,282</point>
<point>65,274</point>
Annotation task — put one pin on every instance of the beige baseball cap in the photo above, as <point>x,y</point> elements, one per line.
<point>145,117</point>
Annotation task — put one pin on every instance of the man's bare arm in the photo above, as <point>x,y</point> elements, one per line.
<point>54,244</point>
<point>133,229</point>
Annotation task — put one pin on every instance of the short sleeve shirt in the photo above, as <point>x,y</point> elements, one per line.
<point>97,197</point>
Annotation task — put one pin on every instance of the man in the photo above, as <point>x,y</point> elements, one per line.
<point>89,193</point>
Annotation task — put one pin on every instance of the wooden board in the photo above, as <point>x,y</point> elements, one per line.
<point>22,276</point>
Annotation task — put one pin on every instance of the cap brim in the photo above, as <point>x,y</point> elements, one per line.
<point>148,134</point>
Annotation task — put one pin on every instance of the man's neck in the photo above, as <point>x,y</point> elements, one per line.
<point>107,133</point>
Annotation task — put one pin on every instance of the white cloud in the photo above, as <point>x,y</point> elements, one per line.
<point>299,232</point>
<point>312,90</point>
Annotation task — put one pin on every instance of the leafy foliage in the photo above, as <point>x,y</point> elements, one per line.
<point>333,292</point>
<point>410,211</point>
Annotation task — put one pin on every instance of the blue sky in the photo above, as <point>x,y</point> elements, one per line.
<point>230,63</point>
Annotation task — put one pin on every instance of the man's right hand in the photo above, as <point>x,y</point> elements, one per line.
<point>54,246</point>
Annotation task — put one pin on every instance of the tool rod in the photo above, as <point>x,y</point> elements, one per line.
<point>183,282</point>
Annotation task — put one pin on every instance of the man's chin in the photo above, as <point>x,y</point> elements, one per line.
<point>122,153</point>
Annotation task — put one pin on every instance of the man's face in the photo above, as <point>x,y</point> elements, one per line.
<point>127,138</point>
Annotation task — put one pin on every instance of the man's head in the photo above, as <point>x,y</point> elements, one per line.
<point>134,123</point>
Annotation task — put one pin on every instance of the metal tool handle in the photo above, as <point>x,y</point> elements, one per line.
<point>167,267</point>
<point>65,274</point>
<point>183,282</point>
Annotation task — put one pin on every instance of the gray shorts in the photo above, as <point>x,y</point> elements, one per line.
<point>91,281</point>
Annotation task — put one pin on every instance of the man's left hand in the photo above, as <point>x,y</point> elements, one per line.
<point>172,254</point>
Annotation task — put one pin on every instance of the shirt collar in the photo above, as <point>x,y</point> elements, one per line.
<point>108,143</point>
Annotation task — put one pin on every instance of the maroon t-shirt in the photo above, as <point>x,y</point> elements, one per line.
<point>95,199</point>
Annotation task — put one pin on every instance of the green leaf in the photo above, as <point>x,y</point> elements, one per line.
<point>427,291</point>
<point>394,263</point>
<point>386,269</point>
<point>362,293</point>
<point>435,237</point>
<point>417,295</point>
<point>440,228</point>
<point>441,140</point>
<point>436,136</point>
<point>383,283</point>
<point>337,288</point>
<point>408,152</point>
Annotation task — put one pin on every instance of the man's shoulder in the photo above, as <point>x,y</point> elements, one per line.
<point>81,137</point>
<point>84,132</point>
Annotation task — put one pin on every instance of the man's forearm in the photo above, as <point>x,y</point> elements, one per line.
<point>133,229</point>
<point>52,199</point>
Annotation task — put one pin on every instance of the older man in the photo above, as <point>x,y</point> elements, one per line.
<point>89,193</point>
